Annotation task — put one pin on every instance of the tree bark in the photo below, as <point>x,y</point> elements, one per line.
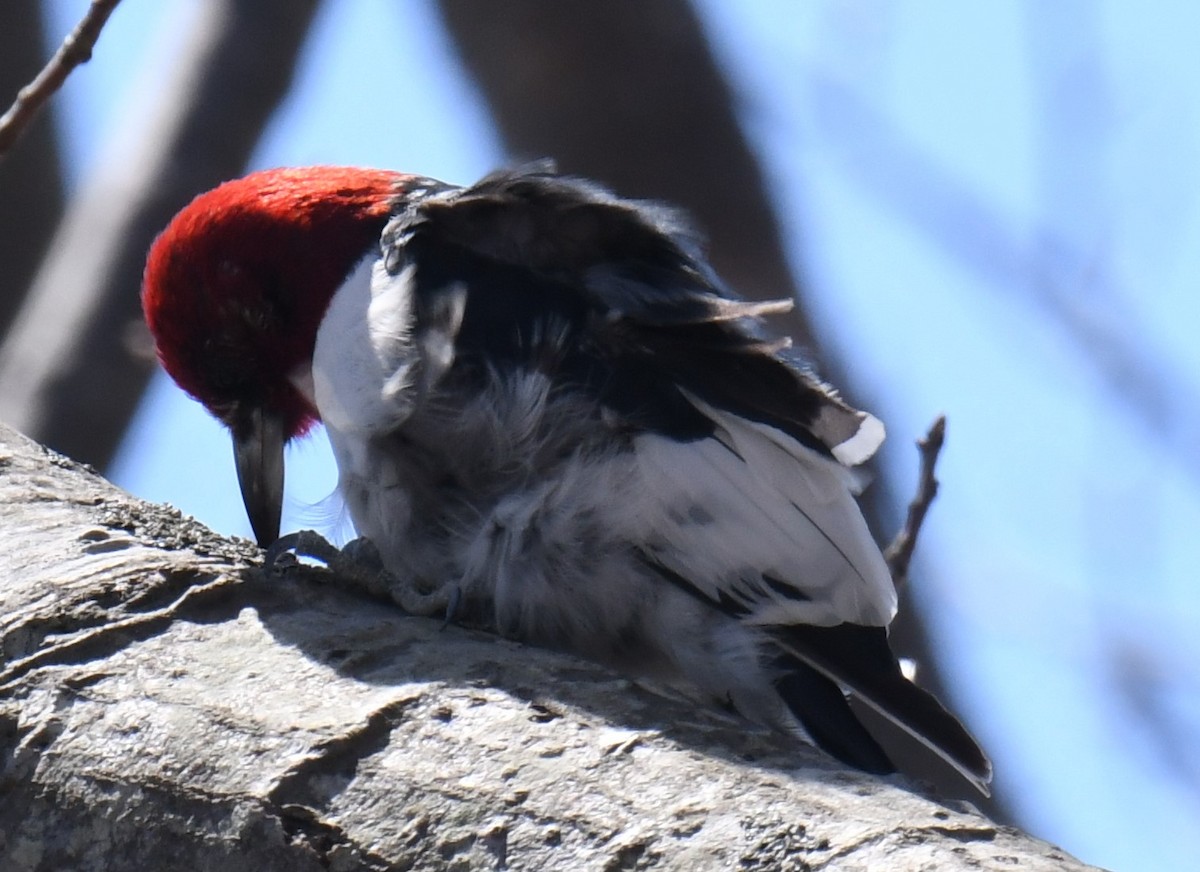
<point>166,705</point>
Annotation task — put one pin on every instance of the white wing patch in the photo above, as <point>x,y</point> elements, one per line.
<point>863,444</point>
<point>752,515</point>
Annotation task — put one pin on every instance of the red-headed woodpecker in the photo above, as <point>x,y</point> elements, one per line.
<point>543,397</point>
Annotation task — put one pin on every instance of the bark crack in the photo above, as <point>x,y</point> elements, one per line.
<point>303,792</point>
<point>99,641</point>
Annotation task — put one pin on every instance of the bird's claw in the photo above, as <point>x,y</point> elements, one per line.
<point>364,552</point>
<point>283,553</point>
<point>360,565</point>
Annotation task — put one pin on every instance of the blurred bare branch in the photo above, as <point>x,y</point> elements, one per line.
<point>76,49</point>
<point>31,186</point>
<point>67,376</point>
<point>1143,684</point>
<point>1111,337</point>
<point>1074,125</point>
<point>630,93</point>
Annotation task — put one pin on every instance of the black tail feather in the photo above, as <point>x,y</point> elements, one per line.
<point>822,710</point>
<point>859,659</point>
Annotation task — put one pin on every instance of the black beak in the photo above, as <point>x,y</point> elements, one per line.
<point>258,450</point>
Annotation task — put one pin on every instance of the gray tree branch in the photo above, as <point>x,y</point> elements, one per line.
<point>76,49</point>
<point>164,705</point>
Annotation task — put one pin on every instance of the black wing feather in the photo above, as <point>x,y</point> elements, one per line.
<point>626,281</point>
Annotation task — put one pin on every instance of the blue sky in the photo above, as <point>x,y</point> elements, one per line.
<point>941,169</point>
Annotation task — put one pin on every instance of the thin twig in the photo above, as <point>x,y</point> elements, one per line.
<point>75,50</point>
<point>899,554</point>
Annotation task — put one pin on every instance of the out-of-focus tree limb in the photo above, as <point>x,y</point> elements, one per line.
<point>31,196</point>
<point>75,50</point>
<point>67,374</point>
<point>1077,127</point>
<point>1133,367</point>
<point>630,93</point>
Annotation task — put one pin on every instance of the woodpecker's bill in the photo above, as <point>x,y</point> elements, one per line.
<point>544,397</point>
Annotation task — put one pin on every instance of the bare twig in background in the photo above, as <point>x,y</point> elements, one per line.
<point>899,553</point>
<point>75,50</point>
<point>909,634</point>
<point>67,376</point>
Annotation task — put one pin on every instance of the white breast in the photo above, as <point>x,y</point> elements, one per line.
<point>368,374</point>
<point>364,354</point>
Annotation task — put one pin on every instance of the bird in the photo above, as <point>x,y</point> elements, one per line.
<point>543,401</point>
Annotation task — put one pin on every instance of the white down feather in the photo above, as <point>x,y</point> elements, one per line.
<point>364,353</point>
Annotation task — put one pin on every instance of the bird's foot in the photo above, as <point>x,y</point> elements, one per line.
<point>359,565</point>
